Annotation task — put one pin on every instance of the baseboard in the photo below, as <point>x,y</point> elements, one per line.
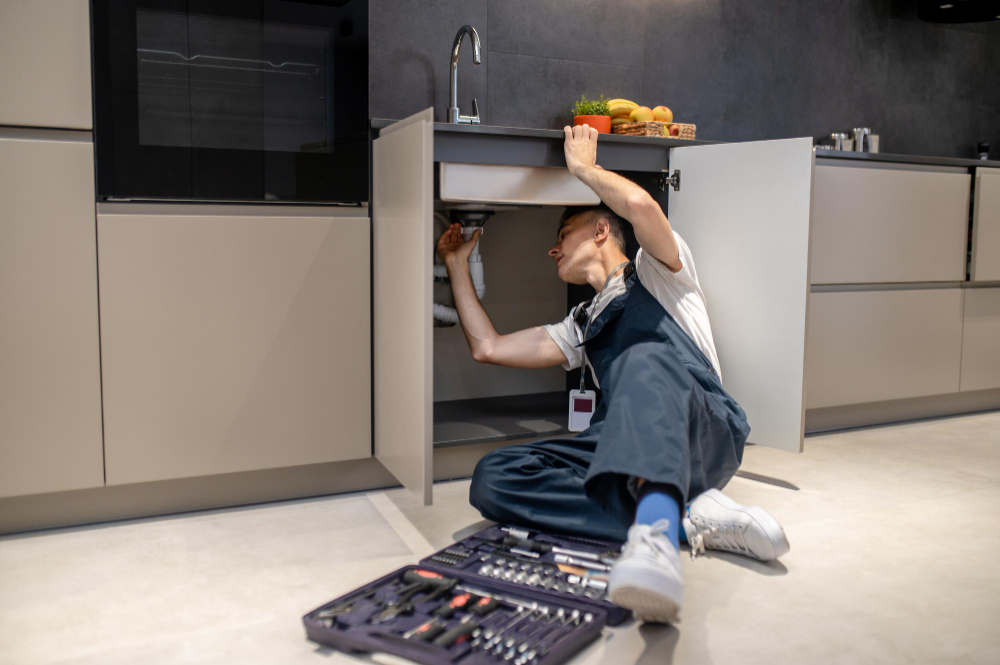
<point>119,502</point>
<point>900,410</point>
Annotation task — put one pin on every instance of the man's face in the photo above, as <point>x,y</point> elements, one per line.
<point>574,249</point>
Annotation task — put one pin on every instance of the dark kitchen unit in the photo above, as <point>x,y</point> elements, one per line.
<point>218,100</point>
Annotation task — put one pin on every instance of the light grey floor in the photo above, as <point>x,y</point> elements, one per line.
<point>895,559</point>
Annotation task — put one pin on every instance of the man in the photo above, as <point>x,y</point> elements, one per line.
<point>665,431</point>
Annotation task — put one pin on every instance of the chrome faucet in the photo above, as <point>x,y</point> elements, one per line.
<point>454,114</point>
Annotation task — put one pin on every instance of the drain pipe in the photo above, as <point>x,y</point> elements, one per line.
<point>471,221</point>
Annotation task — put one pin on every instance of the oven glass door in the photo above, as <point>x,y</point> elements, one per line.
<point>232,100</point>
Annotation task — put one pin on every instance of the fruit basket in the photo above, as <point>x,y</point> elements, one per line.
<point>654,128</point>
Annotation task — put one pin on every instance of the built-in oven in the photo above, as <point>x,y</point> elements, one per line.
<point>231,100</point>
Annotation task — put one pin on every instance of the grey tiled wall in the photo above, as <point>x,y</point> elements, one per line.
<point>739,69</point>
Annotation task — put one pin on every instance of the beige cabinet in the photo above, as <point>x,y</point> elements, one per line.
<point>981,339</point>
<point>233,338</point>
<point>875,225</point>
<point>868,346</point>
<point>50,383</point>
<point>45,63</point>
<point>986,227</point>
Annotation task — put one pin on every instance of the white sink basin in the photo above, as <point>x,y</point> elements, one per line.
<point>512,185</point>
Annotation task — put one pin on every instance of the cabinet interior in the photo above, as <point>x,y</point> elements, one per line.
<point>476,402</point>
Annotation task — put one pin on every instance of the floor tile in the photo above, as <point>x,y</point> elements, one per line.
<point>894,533</point>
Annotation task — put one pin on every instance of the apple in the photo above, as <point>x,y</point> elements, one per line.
<point>675,130</point>
<point>663,114</point>
<point>641,114</point>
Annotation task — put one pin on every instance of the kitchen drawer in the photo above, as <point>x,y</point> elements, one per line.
<point>232,338</point>
<point>512,185</point>
<point>986,227</point>
<point>873,225</point>
<point>869,346</point>
<point>45,64</point>
<point>50,373</point>
<point>981,339</point>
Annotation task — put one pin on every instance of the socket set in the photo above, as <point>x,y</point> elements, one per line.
<point>431,617</point>
<point>553,567</point>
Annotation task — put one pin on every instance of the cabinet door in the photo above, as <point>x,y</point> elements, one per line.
<point>403,252</point>
<point>981,339</point>
<point>50,380</point>
<point>986,227</point>
<point>45,63</point>
<point>744,210</point>
<point>233,338</point>
<point>869,346</point>
<point>877,225</point>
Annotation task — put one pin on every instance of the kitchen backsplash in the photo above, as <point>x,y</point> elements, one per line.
<point>739,69</point>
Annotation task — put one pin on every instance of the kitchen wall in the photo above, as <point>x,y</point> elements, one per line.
<point>739,69</point>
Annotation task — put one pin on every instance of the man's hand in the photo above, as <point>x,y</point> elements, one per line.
<point>453,248</point>
<point>580,148</point>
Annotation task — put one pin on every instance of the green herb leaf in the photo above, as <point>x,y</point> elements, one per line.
<point>592,107</point>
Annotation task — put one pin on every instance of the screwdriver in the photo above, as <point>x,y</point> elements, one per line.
<point>454,635</point>
<point>431,629</point>
<point>539,547</point>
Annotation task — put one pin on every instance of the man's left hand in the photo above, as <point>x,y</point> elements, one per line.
<point>580,148</point>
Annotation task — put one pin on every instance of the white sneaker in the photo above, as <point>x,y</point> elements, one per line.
<point>647,577</point>
<point>717,522</point>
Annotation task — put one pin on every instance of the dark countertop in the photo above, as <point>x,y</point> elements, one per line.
<point>543,147</point>
<point>380,123</point>
<point>907,159</point>
<point>524,146</point>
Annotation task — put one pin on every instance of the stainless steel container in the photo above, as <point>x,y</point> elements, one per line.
<point>837,140</point>
<point>861,135</point>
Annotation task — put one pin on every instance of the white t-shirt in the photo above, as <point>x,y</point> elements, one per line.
<point>679,293</point>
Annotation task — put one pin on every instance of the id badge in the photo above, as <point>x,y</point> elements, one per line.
<point>581,408</point>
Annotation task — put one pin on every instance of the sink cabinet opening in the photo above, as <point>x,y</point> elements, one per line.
<point>480,403</point>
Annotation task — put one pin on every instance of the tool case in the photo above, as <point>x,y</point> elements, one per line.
<point>511,557</point>
<point>498,596</point>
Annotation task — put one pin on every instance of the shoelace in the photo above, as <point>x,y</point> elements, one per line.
<point>728,537</point>
<point>658,527</point>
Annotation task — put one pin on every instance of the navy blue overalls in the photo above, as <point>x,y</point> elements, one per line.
<point>663,416</point>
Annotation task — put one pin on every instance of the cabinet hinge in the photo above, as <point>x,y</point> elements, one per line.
<point>661,180</point>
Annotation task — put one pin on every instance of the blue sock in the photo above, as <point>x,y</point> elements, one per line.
<point>658,501</point>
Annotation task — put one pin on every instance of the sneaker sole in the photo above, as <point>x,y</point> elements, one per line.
<point>775,534</point>
<point>630,587</point>
<point>647,605</point>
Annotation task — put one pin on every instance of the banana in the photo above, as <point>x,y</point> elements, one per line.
<point>620,120</point>
<point>621,107</point>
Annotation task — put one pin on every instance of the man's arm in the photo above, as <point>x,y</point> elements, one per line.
<point>627,199</point>
<point>531,348</point>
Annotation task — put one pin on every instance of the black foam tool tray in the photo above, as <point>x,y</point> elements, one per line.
<point>529,562</point>
<point>439,619</point>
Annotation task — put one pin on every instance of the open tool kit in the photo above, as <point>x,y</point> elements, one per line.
<point>503,595</point>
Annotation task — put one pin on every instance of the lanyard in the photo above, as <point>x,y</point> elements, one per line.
<point>590,319</point>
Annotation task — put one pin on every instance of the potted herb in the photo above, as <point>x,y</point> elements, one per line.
<point>594,113</point>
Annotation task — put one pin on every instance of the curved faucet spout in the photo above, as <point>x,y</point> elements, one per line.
<point>454,114</point>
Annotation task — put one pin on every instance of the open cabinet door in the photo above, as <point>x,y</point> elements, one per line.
<point>402,259</point>
<point>744,210</point>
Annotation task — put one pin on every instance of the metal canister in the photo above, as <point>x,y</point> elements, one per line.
<point>861,135</point>
<point>837,140</point>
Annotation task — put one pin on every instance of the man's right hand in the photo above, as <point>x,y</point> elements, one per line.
<point>453,248</point>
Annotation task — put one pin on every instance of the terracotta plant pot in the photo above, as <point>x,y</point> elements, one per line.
<point>602,123</point>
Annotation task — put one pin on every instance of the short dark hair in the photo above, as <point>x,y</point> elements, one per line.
<point>616,223</point>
